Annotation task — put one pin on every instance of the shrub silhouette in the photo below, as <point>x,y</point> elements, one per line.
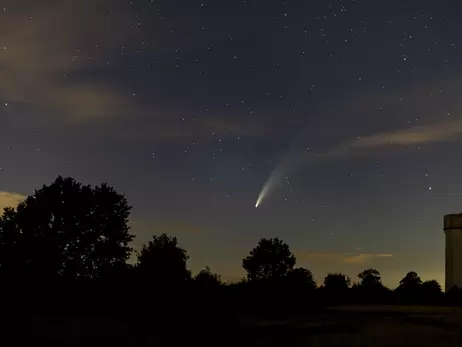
<point>336,288</point>
<point>163,263</point>
<point>207,279</point>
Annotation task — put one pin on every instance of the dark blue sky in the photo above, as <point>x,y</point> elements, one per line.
<point>188,107</point>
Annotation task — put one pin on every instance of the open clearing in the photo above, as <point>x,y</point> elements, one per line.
<point>379,326</point>
<point>365,326</point>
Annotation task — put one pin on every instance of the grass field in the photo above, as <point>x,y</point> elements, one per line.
<point>379,326</point>
<point>365,326</point>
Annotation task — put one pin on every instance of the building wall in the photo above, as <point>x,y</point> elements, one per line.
<point>453,231</point>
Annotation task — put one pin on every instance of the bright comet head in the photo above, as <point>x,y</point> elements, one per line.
<point>264,192</point>
<point>260,198</point>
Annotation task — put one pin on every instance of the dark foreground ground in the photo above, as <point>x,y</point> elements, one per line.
<point>345,326</point>
<point>366,326</point>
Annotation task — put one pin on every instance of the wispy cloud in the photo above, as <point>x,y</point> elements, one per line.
<point>55,40</point>
<point>416,135</point>
<point>317,255</point>
<point>364,258</point>
<point>348,258</point>
<point>8,199</point>
<point>413,135</point>
<point>431,106</point>
<point>53,61</point>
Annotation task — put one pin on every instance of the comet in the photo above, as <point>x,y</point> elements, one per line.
<point>264,192</point>
<point>286,167</point>
<point>261,196</point>
<point>271,184</point>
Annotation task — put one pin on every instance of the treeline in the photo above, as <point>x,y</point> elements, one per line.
<point>67,246</point>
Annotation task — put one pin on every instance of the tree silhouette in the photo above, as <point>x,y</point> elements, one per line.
<point>12,255</point>
<point>410,282</point>
<point>163,262</point>
<point>409,289</point>
<point>370,289</point>
<point>301,279</point>
<point>271,259</point>
<point>370,278</point>
<point>335,289</point>
<point>431,292</point>
<point>66,230</point>
<point>337,282</point>
<point>431,287</point>
<point>207,279</point>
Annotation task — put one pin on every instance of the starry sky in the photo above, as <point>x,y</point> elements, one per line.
<point>350,111</point>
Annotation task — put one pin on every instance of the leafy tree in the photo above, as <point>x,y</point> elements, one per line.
<point>431,292</point>
<point>370,289</point>
<point>337,282</point>
<point>454,295</point>
<point>409,289</point>
<point>163,261</point>
<point>370,278</point>
<point>302,279</point>
<point>431,287</point>
<point>335,289</point>
<point>410,282</point>
<point>271,259</point>
<point>66,230</point>
<point>207,279</point>
<point>11,252</point>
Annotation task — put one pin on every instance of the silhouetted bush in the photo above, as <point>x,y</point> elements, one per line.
<point>370,289</point>
<point>336,289</point>
<point>206,280</point>
<point>163,264</point>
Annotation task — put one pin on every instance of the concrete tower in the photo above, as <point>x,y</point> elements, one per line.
<point>453,231</point>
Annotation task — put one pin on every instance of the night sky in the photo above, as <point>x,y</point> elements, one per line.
<point>350,111</point>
